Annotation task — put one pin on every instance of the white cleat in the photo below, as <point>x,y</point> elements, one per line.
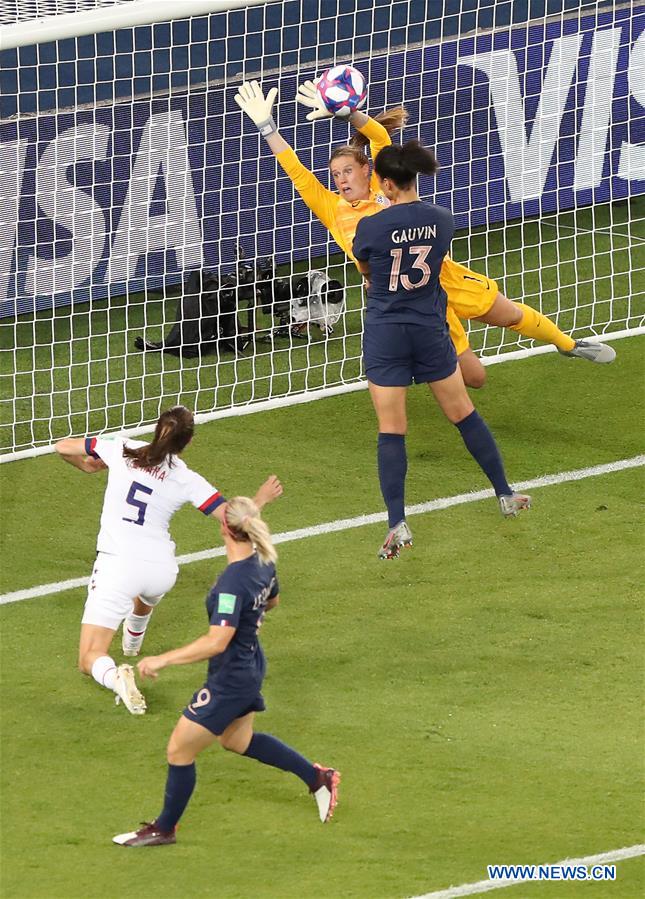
<point>398,537</point>
<point>593,352</point>
<point>122,838</point>
<point>127,691</point>
<point>511,504</point>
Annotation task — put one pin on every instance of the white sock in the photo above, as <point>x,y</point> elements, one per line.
<point>135,626</point>
<point>104,672</point>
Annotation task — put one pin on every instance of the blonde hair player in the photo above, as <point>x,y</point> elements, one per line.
<point>224,708</point>
<point>470,295</point>
<point>135,560</point>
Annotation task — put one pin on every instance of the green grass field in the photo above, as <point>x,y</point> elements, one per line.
<point>482,696</point>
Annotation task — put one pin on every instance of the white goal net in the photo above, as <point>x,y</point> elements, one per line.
<point>143,217</point>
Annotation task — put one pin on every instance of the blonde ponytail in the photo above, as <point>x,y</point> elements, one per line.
<point>244,522</point>
<point>391,119</point>
<point>260,536</point>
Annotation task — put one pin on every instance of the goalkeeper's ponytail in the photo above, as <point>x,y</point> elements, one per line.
<point>391,119</point>
<point>173,433</point>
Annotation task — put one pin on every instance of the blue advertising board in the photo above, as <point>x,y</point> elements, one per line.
<point>525,120</point>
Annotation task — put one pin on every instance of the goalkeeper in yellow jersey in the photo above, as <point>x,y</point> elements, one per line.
<point>470,295</point>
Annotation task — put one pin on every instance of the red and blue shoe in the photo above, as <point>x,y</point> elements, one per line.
<point>148,835</point>
<point>325,791</point>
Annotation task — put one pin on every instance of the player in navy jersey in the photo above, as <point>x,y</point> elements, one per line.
<point>223,709</point>
<point>135,561</point>
<point>406,339</point>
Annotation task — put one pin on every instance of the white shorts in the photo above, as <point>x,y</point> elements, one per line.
<point>116,582</point>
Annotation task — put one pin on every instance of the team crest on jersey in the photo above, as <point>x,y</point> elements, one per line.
<point>382,200</point>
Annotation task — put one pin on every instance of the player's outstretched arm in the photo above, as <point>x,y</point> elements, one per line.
<point>252,101</point>
<point>359,119</point>
<point>259,109</point>
<point>269,491</point>
<point>205,647</point>
<point>72,450</point>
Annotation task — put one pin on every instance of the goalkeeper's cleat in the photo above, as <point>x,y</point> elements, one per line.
<point>399,536</point>
<point>325,791</point>
<point>147,835</point>
<point>593,352</point>
<point>127,691</point>
<point>510,505</point>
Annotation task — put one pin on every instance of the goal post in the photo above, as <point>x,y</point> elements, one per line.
<point>125,166</point>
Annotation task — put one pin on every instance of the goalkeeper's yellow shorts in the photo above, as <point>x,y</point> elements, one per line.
<point>470,295</point>
<point>457,333</point>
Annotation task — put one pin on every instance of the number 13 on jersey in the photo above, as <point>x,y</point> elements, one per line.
<point>420,263</point>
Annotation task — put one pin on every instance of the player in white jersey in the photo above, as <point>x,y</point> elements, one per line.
<point>135,562</point>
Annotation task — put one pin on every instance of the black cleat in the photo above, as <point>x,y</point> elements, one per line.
<point>148,835</point>
<point>141,344</point>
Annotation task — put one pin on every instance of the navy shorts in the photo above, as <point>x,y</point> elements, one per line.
<point>215,711</point>
<point>397,354</point>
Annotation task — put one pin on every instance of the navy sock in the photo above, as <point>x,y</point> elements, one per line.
<point>392,469</point>
<point>179,788</point>
<point>481,445</point>
<point>271,751</point>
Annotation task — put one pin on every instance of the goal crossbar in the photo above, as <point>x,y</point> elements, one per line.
<point>42,29</point>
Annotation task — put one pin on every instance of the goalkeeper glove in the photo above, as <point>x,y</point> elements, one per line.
<point>308,95</point>
<point>258,108</point>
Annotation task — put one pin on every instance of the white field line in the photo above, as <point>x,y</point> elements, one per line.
<point>610,229</point>
<point>345,524</point>
<point>485,886</point>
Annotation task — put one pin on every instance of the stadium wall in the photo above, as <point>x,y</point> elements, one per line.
<point>120,196</point>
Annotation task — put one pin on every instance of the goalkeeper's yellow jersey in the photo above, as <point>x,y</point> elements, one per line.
<point>338,215</point>
<point>470,294</point>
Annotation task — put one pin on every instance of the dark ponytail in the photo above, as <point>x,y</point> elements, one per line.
<point>402,164</point>
<point>173,434</point>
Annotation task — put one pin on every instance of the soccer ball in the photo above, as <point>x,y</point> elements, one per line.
<point>342,90</point>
